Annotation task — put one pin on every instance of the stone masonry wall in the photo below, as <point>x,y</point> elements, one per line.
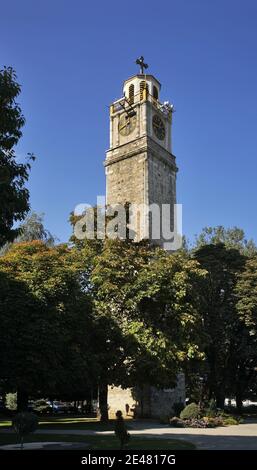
<point>153,402</point>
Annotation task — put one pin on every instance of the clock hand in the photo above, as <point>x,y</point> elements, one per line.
<point>124,125</point>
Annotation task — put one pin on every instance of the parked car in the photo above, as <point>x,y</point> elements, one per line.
<point>58,407</point>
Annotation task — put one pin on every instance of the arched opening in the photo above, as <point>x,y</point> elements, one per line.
<point>155,93</point>
<point>143,86</point>
<point>131,93</point>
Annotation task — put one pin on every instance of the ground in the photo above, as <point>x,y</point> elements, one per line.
<point>96,435</point>
<point>144,435</point>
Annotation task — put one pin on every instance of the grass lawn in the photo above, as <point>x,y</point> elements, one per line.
<point>103,442</point>
<point>5,422</point>
<point>57,422</point>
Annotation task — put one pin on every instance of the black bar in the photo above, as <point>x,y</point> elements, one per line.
<point>126,459</point>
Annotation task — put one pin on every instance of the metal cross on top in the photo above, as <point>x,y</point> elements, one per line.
<point>140,62</point>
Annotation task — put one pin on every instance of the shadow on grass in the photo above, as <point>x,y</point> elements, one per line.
<point>103,442</point>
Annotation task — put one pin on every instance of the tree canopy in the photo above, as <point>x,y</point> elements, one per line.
<point>14,195</point>
<point>46,321</point>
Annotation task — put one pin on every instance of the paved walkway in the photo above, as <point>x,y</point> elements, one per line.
<point>240,437</point>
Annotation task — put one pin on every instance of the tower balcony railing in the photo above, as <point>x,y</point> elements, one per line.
<point>127,103</point>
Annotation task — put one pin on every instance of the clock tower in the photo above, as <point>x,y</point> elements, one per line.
<point>140,167</point>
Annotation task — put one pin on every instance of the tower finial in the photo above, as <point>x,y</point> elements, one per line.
<point>140,62</point>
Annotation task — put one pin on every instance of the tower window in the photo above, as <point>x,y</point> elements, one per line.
<point>131,93</point>
<point>143,86</point>
<point>155,93</point>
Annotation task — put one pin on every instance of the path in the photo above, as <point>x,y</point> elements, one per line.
<point>240,437</point>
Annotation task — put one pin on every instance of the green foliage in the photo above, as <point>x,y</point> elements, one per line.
<point>211,409</point>
<point>147,302</point>
<point>11,117</point>
<point>31,229</point>
<point>230,421</point>
<point>205,422</point>
<point>191,411</point>
<point>11,401</point>
<point>14,196</point>
<point>151,296</point>
<point>213,421</point>
<point>224,333</point>
<point>246,291</point>
<point>232,238</point>
<point>45,339</point>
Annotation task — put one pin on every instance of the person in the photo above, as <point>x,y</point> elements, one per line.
<point>120,430</point>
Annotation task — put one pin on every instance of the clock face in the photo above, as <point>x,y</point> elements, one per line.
<point>127,124</point>
<point>158,127</point>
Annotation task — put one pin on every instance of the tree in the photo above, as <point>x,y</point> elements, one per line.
<point>230,237</point>
<point>221,325</point>
<point>45,322</point>
<point>149,295</point>
<point>32,229</point>
<point>246,290</point>
<point>246,295</point>
<point>14,195</point>
<point>145,308</point>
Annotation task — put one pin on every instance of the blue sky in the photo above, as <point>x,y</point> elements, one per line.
<point>71,59</point>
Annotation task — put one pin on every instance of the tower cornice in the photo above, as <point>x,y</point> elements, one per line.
<point>141,145</point>
<point>142,77</point>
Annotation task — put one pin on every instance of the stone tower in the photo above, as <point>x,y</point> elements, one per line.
<point>140,166</point>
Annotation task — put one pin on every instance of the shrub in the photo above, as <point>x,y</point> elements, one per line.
<point>24,423</point>
<point>195,423</point>
<point>191,411</point>
<point>230,421</point>
<point>213,422</point>
<point>211,409</point>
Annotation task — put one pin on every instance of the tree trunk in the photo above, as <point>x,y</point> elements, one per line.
<point>103,402</point>
<point>220,400</point>
<point>22,400</point>
<point>239,402</point>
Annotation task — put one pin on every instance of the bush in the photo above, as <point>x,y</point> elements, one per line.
<point>191,411</point>
<point>213,422</point>
<point>211,409</point>
<point>24,423</point>
<point>230,421</point>
<point>195,423</point>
